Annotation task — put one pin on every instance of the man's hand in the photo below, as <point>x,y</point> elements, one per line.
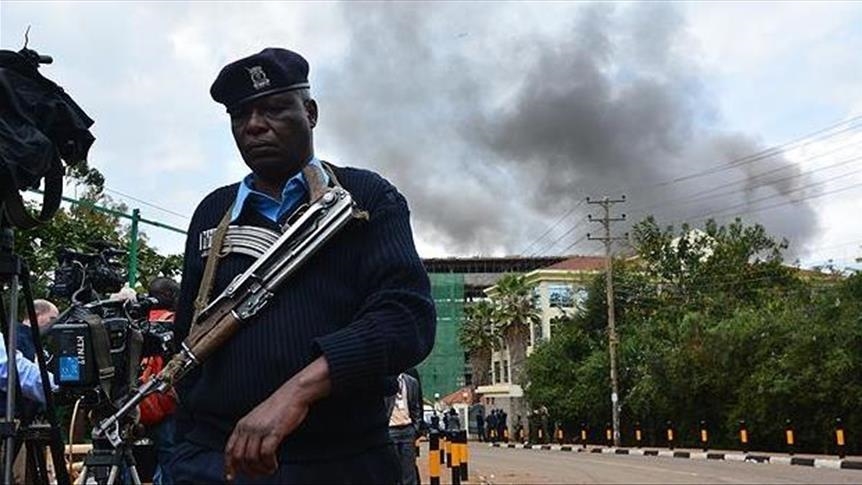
<point>252,448</point>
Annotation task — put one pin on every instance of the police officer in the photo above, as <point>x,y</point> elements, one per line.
<point>297,395</point>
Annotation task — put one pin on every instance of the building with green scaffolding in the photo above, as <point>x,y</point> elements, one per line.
<point>454,282</point>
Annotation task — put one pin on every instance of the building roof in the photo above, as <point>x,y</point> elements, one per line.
<point>463,395</point>
<point>580,263</point>
<point>481,264</point>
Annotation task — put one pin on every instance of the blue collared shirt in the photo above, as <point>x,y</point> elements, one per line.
<point>28,376</point>
<point>295,189</point>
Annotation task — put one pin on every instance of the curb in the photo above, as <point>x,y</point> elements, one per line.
<point>740,457</point>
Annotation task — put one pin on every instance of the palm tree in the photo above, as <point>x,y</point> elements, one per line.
<point>480,336</point>
<point>515,313</point>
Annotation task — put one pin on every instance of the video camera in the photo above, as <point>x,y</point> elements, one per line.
<point>81,274</point>
<point>97,344</point>
<point>40,126</point>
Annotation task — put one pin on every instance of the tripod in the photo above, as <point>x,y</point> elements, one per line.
<point>14,272</point>
<point>105,463</point>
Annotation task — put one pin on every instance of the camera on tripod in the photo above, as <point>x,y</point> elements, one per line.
<point>98,343</point>
<point>98,272</point>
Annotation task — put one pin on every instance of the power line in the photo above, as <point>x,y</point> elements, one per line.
<point>554,225</point>
<point>769,207</point>
<point>709,193</point>
<point>557,240</point>
<point>763,154</point>
<point>149,204</point>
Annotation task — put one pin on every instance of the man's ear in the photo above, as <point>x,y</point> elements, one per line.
<point>311,112</point>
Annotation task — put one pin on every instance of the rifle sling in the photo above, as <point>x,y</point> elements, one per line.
<point>208,277</point>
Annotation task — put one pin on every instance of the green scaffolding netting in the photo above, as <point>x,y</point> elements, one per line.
<point>443,370</point>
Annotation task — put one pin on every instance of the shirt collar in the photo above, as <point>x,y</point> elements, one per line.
<point>246,190</point>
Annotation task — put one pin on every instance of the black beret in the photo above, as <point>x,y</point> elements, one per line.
<point>270,71</point>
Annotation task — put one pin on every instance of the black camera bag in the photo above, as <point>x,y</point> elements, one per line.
<point>40,125</point>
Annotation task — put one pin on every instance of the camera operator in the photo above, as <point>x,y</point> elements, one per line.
<point>46,314</point>
<point>28,372</point>
<point>157,410</point>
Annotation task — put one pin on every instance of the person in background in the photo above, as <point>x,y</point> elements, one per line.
<point>480,425</point>
<point>491,424</point>
<point>502,424</point>
<point>405,418</point>
<point>46,314</point>
<point>453,424</point>
<point>157,410</point>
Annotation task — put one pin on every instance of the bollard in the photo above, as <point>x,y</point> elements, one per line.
<point>839,438</point>
<point>434,457</point>
<point>670,436</point>
<point>505,435</point>
<point>447,448</point>
<point>464,456</point>
<point>609,434</point>
<point>541,437</point>
<point>704,435</point>
<point>583,435</point>
<point>520,433</point>
<point>560,436</point>
<point>638,434</point>
<point>455,453</point>
<point>743,435</point>
<point>789,436</point>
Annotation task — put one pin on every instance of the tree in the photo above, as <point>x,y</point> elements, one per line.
<point>515,313</point>
<point>479,336</point>
<point>713,327</point>
<point>76,228</point>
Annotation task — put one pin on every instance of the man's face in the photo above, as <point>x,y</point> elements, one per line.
<point>46,320</point>
<point>273,134</point>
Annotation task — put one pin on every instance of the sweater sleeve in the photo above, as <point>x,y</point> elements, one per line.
<point>395,327</point>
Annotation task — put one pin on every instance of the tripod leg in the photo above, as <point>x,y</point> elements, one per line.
<point>12,385</point>
<point>57,454</point>
<point>35,467</point>
<point>136,479</point>
<point>112,477</point>
<point>82,478</point>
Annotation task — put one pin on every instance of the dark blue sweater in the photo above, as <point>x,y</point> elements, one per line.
<point>363,301</point>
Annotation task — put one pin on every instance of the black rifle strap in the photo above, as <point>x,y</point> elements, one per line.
<point>208,277</point>
<point>102,351</point>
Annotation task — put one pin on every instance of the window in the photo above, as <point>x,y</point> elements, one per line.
<point>581,296</point>
<point>536,297</point>
<point>561,295</point>
<point>506,377</point>
<point>537,332</point>
<point>496,372</point>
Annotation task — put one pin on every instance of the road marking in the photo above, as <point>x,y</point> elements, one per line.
<point>834,464</point>
<point>639,467</point>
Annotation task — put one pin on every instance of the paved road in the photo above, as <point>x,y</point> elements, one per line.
<point>501,465</point>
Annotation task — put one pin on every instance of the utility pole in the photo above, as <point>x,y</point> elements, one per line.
<point>613,339</point>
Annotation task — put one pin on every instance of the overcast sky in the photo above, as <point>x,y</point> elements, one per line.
<point>494,119</point>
